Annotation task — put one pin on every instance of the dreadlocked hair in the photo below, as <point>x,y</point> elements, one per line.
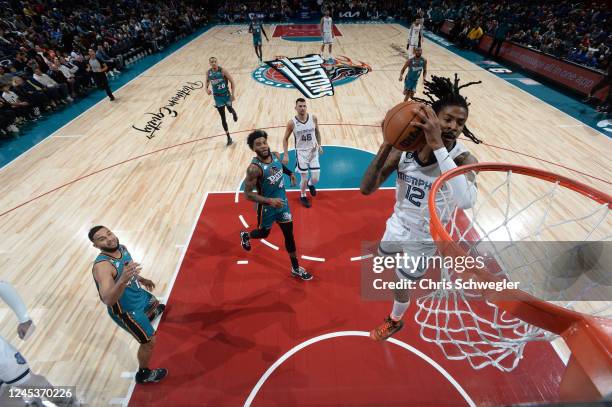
<point>441,92</point>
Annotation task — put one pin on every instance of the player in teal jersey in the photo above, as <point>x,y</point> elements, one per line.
<point>129,305</point>
<point>265,173</point>
<point>256,28</point>
<point>219,78</point>
<point>417,65</point>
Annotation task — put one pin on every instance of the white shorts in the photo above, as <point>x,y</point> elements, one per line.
<point>415,242</point>
<point>14,369</point>
<point>328,38</point>
<point>307,160</point>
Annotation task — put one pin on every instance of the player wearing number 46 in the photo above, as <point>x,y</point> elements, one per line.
<point>130,306</point>
<point>16,378</point>
<point>407,230</point>
<point>305,129</point>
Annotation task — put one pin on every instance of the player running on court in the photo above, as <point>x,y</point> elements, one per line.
<point>415,66</point>
<point>256,28</point>
<point>327,32</point>
<point>223,95</point>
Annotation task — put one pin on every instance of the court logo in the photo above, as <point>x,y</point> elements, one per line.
<point>168,110</point>
<point>339,71</point>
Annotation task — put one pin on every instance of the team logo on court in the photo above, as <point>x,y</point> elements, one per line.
<point>339,71</point>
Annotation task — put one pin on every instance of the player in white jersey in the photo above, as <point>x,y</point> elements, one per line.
<point>327,32</point>
<point>407,230</point>
<point>415,36</point>
<point>15,375</point>
<point>307,138</point>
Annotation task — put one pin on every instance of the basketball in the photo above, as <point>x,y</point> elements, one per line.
<point>398,128</point>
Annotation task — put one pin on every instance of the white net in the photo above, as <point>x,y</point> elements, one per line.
<point>548,238</point>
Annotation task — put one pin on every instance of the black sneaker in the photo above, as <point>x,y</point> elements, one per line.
<point>229,141</point>
<point>305,202</point>
<point>235,116</point>
<point>158,311</point>
<point>151,376</point>
<point>245,241</point>
<point>301,273</point>
<point>313,190</point>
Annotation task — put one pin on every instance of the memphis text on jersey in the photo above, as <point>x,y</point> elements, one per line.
<point>306,74</point>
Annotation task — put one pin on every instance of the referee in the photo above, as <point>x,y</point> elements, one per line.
<point>99,68</point>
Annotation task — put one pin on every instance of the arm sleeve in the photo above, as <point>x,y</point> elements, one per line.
<point>13,300</point>
<point>464,191</point>
<point>287,170</point>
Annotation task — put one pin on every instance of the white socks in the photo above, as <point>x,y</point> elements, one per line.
<point>399,308</point>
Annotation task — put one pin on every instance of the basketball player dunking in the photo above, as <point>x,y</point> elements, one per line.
<point>327,33</point>
<point>407,230</point>
<point>129,305</point>
<point>415,66</point>
<point>265,173</point>
<point>15,373</point>
<point>220,78</point>
<point>256,28</point>
<point>415,36</point>
<point>307,138</point>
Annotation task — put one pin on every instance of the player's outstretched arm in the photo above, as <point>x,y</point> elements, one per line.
<point>381,167</point>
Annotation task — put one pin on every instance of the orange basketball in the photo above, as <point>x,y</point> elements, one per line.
<point>398,128</point>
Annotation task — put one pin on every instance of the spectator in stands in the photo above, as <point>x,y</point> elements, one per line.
<point>33,93</point>
<point>56,91</point>
<point>474,35</point>
<point>20,107</point>
<point>112,63</point>
<point>8,118</point>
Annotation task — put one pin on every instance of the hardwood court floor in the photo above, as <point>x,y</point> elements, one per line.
<point>152,198</point>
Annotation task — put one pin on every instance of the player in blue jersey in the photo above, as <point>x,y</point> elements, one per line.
<point>129,305</point>
<point>265,174</point>
<point>256,28</point>
<point>219,78</point>
<point>416,65</point>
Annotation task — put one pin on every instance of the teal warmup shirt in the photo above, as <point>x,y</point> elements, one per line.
<point>134,297</point>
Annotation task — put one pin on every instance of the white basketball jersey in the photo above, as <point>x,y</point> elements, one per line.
<point>304,133</point>
<point>327,24</point>
<point>413,184</point>
<point>414,38</point>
